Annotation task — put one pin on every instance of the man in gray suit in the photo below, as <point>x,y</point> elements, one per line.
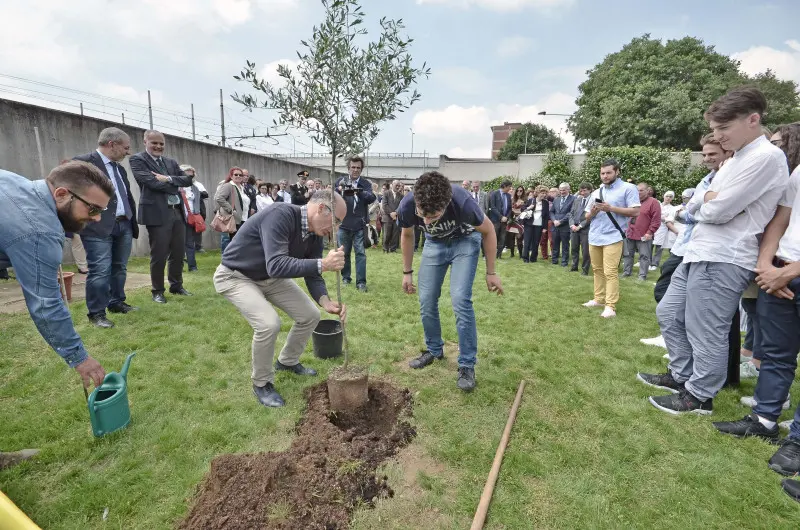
<point>391,232</point>
<point>479,195</point>
<point>562,206</point>
<point>579,226</point>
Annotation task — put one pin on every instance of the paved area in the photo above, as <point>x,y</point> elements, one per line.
<point>12,301</point>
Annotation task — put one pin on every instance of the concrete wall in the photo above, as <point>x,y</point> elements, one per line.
<point>65,135</point>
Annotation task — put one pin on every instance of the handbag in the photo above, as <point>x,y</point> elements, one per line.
<point>194,220</point>
<point>225,223</point>
<point>613,221</point>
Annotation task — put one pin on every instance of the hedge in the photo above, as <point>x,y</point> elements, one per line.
<point>660,168</point>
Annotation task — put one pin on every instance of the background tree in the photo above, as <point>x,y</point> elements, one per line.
<point>654,94</point>
<point>530,138</point>
<point>341,92</point>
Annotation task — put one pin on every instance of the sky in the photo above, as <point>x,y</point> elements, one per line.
<point>492,61</point>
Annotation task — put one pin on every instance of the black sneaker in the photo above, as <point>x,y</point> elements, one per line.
<point>662,381</point>
<point>466,379</point>
<point>746,427</point>
<point>681,403</point>
<point>786,460</point>
<point>424,360</point>
<point>792,488</point>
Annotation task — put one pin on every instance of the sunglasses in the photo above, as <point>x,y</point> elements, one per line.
<point>93,208</point>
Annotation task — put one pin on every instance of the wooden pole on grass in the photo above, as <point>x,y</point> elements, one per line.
<point>488,489</point>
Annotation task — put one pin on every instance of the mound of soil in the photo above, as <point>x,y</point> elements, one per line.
<point>327,472</point>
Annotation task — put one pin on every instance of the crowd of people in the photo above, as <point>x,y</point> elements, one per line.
<point>733,241</point>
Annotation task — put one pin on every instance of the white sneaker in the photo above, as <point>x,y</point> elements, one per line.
<point>653,267</point>
<point>666,356</point>
<point>635,265</point>
<point>608,313</point>
<point>747,370</point>
<point>655,341</point>
<point>749,401</point>
<point>592,303</point>
<point>785,425</point>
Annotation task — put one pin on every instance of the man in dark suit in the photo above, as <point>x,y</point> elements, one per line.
<point>357,193</point>
<point>391,231</point>
<point>108,242</point>
<point>579,225</point>
<point>499,210</point>
<point>300,192</point>
<point>562,206</point>
<point>160,210</point>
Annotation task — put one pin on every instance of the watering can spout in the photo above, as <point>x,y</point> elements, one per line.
<point>124,372</point>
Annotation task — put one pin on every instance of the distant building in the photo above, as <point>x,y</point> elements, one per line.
<point>500,134</point>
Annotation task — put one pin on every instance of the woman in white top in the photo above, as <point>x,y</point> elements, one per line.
<point>535,214</point>
<point>264,197</point>
<point>664,237</point>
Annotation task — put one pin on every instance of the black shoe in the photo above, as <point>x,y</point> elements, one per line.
<point>424,360</point>
<point>159,298</point>
<point>681,403</point>
<point>362,287</point>
<point>298,369</point>
<point>347,281</point>
<point>466,379</point>
<point>268,396</point>
<point>200,250</point>
<point>101,321</point>
<point>584,274</point>
<point>786,460</point>
<point>662,381</point>
<point>122,307</point>
<point>792,488</point>
<point>573,269</point>
<point>4,274</point>
<point>192,269</point>
<point>181,292</point>
<point>746,427</point>
<point>526,260</point>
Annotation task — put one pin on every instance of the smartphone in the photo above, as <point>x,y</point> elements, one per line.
<point>598,200</point>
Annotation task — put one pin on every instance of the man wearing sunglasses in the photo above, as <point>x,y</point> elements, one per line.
<point>257,274</point>
<point>161,211</point>
<point>35,216</point>
<point>108,242</point>
<point>455,228</point>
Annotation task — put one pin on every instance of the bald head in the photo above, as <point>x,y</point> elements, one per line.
<point>154,143</point>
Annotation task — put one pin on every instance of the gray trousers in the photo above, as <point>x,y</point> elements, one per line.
<point>695,319</point>
<point>255,300</point>
<point>645,249</point>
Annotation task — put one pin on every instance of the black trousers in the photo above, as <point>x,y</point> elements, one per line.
<point>530,242</point>
<point>580,245</point>
<point>561,236</point>
<point>167,242</point>
<point>500,233</point>
<point>667,268</point>
<point>391,236</point>
<point>419,238</point>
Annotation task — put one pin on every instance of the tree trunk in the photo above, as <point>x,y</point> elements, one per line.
<point>335,246</point>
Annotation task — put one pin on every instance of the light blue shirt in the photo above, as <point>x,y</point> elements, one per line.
<point>120,193</point>
<point>679,248</point>
<point>602,231</point>
<point>31,241</point>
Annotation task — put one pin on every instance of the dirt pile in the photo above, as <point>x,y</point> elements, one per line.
<point>327,472</point>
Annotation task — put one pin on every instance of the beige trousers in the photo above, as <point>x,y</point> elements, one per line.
<point>78,253</point>
<point>605,264</point>
<point>255,301</point>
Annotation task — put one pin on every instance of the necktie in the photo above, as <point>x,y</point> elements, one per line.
<point>123,193</point>
<point>172,200</point>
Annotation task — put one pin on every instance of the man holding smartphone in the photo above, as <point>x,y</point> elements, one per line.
<point>609,210</point>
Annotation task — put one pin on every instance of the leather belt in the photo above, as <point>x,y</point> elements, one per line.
<point>175,206</point>
<point>121,218</point>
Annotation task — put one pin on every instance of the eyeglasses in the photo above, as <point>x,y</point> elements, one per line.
<point>777,143</point>
<point>238,175</point>
<point>93,208</point>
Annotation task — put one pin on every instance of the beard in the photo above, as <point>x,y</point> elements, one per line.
<point>68,220</point>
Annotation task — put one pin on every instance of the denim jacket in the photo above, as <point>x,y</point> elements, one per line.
<point>31,241</point>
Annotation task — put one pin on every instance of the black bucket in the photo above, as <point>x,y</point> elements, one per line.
<point>327,339</point>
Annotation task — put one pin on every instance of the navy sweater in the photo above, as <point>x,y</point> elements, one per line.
<point>270,245</point>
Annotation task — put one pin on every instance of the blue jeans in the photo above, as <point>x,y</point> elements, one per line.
<point>107,258</point>
<point>350,239</point>
<point>225,239</point>
<point>779,320</point>
<point>461,255</point>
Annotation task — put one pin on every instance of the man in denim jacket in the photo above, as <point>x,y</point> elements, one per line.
<point>35,215</point>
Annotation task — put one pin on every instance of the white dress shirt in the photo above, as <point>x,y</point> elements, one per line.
<point>263,201</point>
<point>789,247</point>
<point>120,193</point>
<point>729,227</point>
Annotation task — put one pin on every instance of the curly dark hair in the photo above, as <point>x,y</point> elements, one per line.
<point>432,192</point>
<point>790,143</point>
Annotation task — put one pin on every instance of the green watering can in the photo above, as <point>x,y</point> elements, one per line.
<point>108,403</point>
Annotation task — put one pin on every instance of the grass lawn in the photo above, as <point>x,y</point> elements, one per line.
<point>587,450</point>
